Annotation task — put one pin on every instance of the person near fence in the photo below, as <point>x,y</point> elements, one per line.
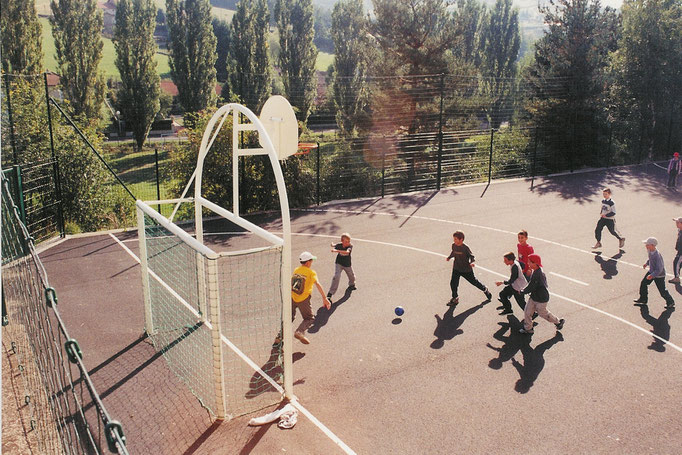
<point>539,296</point>
<point>463,267</point>
<point>674,169</point>
<point>513,286</point>
<point>655,274</point>
<point>343,252</point>
<point>525,249</point>
<point>677,262</point>
<point>302,282</point>
<point>607,218</point>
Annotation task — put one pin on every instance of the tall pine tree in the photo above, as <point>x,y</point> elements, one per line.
<point>500,43</point>
<point>77,31</point>
<point>138,98</point>
<point>298,54</point>
<point>349,85</point>
<point>192,49</point>
<point>20,33</point>
<point>567,78</point>
<point>249,61</point>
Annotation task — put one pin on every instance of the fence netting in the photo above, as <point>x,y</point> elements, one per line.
<point>65,412</point>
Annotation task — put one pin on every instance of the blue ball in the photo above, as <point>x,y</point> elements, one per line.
<point>399,311</point>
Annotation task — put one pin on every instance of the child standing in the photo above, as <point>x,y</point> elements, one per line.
<point>462,267</point>
<point>539,296</point>
<point>513,286</point>
<point>343,251</point>
<point>302,282</point>
<point>524,250</point>
<point>607,218</point>
<point>656,273</point>
<point>677,262</point>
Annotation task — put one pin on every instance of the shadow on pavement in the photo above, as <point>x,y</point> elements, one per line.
<point>609,265</point>
<point>448,326</point>
<point>659,326</point>
<point>323,314</point>
<point>533,362</point>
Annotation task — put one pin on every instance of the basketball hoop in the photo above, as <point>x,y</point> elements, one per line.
<point>304,148</point>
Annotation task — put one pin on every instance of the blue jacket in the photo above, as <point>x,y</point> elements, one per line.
<point>656,265</point>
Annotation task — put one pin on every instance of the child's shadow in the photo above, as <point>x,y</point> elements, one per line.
<point>659,327</point>
<point>323,314</point>
<point>273,369</point>
<point>448,326</point>
<point>533,362</point>
<point>610,265</point>
<point>512,343</point>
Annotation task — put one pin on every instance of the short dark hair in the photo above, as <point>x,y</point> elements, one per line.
<point>607,190</point>
<point>459,235</point>
<point>523,232</point>
<point>510,256</point>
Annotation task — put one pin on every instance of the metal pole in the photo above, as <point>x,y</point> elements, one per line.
<point>317,171</point>
<point>11,121</point>
<point>535,153</point>
<point>55,164</point>
<point>440,133</point>
<point>383,171</point>
<point>158,183</point>
<point>490,158</point>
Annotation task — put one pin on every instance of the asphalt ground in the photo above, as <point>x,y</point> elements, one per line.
<point>438,379</point>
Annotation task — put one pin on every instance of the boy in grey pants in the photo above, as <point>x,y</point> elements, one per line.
<point>343,251</point>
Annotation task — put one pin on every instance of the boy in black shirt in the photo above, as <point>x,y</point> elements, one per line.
<point>463,267</point>
<point>343,263</point>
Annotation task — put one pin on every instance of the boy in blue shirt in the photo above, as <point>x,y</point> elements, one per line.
<point>656,273</point>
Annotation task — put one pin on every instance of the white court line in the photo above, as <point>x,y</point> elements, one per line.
<point>617,318</point>
<point>478,226</point>
<point>256,368</point>
<point>569,278</point>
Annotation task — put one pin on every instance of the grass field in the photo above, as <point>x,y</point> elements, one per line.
<point>323,61</point>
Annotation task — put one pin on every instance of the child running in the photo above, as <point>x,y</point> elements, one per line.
<point>513,286</point>
<point>302,282</point>
<point>343,251</point>
<point>539,296</point>
<point>656,274</point>
<point>524,250</point>
<point>463,267</point>
<point>607,218</point>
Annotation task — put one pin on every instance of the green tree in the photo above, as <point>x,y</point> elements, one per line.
<point>77,31</point>
<point>349,84</point>
<point>192,49</point>
<point>469,15</point>
<point>221,30</point>
<point>21,37</point>
<point>500,42</point>
<point>413,35</point>
<point>249,61</point>
<point>647,72</point>
<point>567,78</point>
<point>298,54</point>
<point>138,97</point>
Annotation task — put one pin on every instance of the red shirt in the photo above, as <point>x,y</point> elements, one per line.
<point>525,250</point>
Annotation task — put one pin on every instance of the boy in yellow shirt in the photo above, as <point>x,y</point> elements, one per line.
<point>302,282</point>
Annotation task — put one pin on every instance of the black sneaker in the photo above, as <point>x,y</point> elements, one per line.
<point>640,302</point>
<point>453,301</point>
<point>506,311</point>
<point>560,325</point>
<point>488,295</point>
<point>352,287</point>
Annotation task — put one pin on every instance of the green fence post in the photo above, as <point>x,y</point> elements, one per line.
<point>317,172</point>
<point>490,158</point>
<point>55,164</point>
<point>19,188</point>
<point>11,121</point>
<point>158,182</point>
<point>440,133</point>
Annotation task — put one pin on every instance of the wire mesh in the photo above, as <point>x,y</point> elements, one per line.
<point>64,409</point>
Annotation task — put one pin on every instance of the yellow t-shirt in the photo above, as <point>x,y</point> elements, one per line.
<point>309,276</point>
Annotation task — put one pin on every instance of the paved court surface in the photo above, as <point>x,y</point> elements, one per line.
<point>436,380</point>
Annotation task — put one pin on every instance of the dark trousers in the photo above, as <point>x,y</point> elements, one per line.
<point>677,264</point>
<point>469,276</point>
<point>672,179</point>
<point>609,224</point>
<point>660,284</point>
<point>509,291</point>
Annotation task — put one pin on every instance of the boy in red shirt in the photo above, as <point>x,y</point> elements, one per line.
<point>524,250</point>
